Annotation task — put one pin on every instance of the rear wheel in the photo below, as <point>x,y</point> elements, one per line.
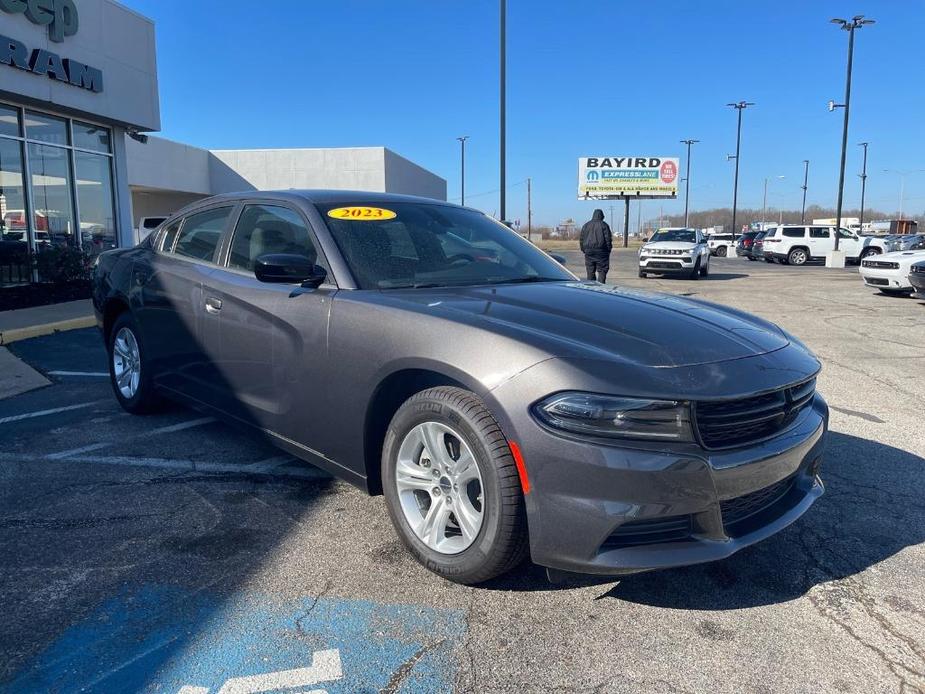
<point>769,260</point>
<point>129,371</point>
<point>721,251</point>
<point>452,487</point>
<point>797,256</point>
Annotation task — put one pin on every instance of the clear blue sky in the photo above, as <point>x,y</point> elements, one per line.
<point>583,79</point>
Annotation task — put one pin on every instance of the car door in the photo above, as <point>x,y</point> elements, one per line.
<point>268,341</point>
<point>850,243</point>
<point>820,241</point>
<point>170,308</point>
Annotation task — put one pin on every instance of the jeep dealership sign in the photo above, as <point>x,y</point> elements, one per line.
<point>624,176</point>
<point>60,16</point>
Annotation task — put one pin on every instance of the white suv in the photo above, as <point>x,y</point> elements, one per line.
<point>795,244</point>
<point>675,250</point>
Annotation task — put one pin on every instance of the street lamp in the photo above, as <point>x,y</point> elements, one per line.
<point>739,107</point>
<point>764,207</point>
<point>805,181</point>
<point>687,180</point>
<point>462,169</point>
<point>902,185</point>
<point>863,183</point>
<point>848,25</point>
<point>503,111</point>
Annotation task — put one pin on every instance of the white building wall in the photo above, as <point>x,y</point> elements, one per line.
<point>168,165</point>
<point>406,177</point>
<point>350,168</point>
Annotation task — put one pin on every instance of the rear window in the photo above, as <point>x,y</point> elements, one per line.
<point>200,234</point>
<point>796,233</point>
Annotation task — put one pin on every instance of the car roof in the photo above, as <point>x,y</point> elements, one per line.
<point>328,196</point>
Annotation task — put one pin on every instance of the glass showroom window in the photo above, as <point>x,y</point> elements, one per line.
<point>69,202</point>
<point>14,235</point>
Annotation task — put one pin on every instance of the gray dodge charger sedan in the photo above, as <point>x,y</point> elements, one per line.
<point>504,408</point>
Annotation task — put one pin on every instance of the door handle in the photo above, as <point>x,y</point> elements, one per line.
<point>213,305</point>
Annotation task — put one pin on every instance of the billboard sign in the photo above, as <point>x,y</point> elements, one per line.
<point>636,177</point>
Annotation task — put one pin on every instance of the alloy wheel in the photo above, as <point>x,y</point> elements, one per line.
<point>440,487</point>
<point>126,362</point>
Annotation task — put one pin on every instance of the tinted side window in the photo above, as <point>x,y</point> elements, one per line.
<point>819,233</point>
<point>797,233</point>
<point>201,233</point>
<point>170,236</point>
<point>269,229</point>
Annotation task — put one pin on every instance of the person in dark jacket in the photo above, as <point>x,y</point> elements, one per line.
<point>596,243</point>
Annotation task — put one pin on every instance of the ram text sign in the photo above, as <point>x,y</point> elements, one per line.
<point>623,176</point>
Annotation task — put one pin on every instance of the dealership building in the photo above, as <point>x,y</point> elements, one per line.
<point>78,92</point>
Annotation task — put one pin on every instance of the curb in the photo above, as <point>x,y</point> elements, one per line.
<point>10,336</point>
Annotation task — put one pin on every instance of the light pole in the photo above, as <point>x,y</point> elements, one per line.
<point>503,75</point>
<point>687,180</point>
<point>863,183</point>
<point>739,107</point>
<point>902,185</point>
<point>462,169</point>
<point>764,205</point>
<point>805,181</point>
<point>848,25</point>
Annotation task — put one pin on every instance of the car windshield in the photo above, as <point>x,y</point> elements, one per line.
<point>392,245</point>
<point>683,235</point>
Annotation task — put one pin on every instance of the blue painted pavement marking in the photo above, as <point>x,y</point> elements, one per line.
<point>165,639</point>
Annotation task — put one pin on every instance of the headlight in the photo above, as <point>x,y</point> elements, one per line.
<point>616,417</point>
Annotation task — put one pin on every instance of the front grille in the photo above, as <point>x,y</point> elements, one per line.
<point>727,423</point>
<point>740,509</point>
<point>878,281</point>
<point>881,264</point>
<point>649,532</point>
<point>663,265</point>
<point>664,251</point>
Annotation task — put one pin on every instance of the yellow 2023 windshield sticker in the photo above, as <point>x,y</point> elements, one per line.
<point>362,214</point>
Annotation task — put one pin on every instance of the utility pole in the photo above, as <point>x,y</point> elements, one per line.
<point>687,179</point>
<point>848,25</point>
<point>626,222</point>
<point>529,209</point>
<point>739,107</point>
<point>503,75</point>
<point>863,182</point>
<point>805,181</point>
<point>462,169</point>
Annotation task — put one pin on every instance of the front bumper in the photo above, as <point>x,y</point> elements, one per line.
<point>667,263</point>
<point>885,278</point>
<point>621,509</point>
<point>917,280</point>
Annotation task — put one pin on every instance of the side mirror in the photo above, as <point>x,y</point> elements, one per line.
<point>645,239</point>
<point>558,258</point>
<point>289,268</point>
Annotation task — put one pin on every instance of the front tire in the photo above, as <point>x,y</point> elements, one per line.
<point>452,487</point>
<point>642,273</point>
<point>129,369</point>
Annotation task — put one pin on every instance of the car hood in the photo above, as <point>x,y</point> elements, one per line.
<point>589,320</point>
<point>669,245</point>
<point>902,257</point>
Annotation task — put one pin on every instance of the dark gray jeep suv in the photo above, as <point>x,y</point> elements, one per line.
<point>504,408</point>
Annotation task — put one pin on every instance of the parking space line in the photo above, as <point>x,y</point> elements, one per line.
<point>78,451</point>
<point>92,374</point>
<point>180,427</point>
<point>42,413</point>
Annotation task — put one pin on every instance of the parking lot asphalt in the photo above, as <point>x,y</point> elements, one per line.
<point>173,553</point>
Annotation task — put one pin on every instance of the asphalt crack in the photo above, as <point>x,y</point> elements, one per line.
<point>401,673</point>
